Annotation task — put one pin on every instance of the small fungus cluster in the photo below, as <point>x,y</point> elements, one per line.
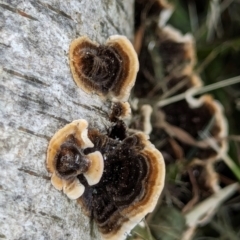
<point>108,70</point>
<point>189,132</point>
<point>66,159</point>
<point>116,177</point>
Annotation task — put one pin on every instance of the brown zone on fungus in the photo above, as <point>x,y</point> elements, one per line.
<point>128,186</point>
<point>151,8</point>
<point>176,51</point>
<point>74,134</point>
<point>66,159</point>
<point>108,70</point>
<point>172,52</point>
<point>119,110</point>
<point>97,66</point>
<point>191,81</point>
<point>125,68</point>
<point>191,120</point>
<point>70,160</point>
<point>129,164</point>
<point>194,121</point>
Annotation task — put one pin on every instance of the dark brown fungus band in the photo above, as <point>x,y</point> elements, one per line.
<point>196,116</point>
<point>66,160</point>
<point>130,186</point>
<point>108,70</point>
<point>176,50</point>
<point>154,10</point>
<point>142,119</point>
<point>119,110</point>
<point>117,178</point>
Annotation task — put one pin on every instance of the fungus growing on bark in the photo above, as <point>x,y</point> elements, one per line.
<point>107,70</point>
<point>118,196</point>
<point>120,110</point>
<point>142,119</point>
<point>132,181</point>
<point>66,159</point>
<point>153,10</point>
<point>186,121</point>
<point>146,112</point>
<point>176,50</point>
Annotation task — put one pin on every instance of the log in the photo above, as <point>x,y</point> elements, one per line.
<point>37,97</point>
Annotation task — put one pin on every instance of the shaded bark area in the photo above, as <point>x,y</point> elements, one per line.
<point>37,97</point>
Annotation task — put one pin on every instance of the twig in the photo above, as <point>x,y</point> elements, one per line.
<point>174,89</point>
<point>197,91</point>
<point>195,189</point>
<point>229,162</point>
<point>196,214</point>
<point>209,59</point>
<point>193,16</point>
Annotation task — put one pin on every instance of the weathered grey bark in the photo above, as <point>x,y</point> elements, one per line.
<point>38,96</point>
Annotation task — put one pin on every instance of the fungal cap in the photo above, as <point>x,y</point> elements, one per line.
<point>120,110</point>
<point>128,110</point>
<point>182,49</point>
<point>152,190</point>
<point>195,81</point>
<point>116,63</point>
<point>130,59</point>
<point>155,182</point>
<point>176,35</point>
<point>220,121</point>
<point>216,109</point>
<point>57,182</point>
<point>78,129</point>
<point>73,189</point>
<point>209,177</point>
<point>146,112</point>
<point>95,170</point>
<point>77,44</point>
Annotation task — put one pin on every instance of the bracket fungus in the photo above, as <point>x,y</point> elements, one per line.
<point>130,183</point>
<point>176,50</point>
<point>66,159</point>
<point>120,110</point>
<point>141,119</point>
<point>203,115</point>
<point>108,70</point>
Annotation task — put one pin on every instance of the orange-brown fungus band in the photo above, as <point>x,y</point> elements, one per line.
<point>132,181</point>
<point>66,159</point>
<point>117,178</point>
<point>107,70</point>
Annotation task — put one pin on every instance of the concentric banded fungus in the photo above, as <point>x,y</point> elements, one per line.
<point>132,181</point>
<point>207,113</point>
<point>146,112</point>
<point>177,51</point>
<point>120,110</point>
<point>118,196</point>
<point>151,9</point>
<point>108,70</point>
<point>142,119</point>
<point>66,160</point>
<point>219,128</point>
<point>205,176</point>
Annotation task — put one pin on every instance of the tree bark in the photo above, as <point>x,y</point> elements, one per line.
<point>37,97</point>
